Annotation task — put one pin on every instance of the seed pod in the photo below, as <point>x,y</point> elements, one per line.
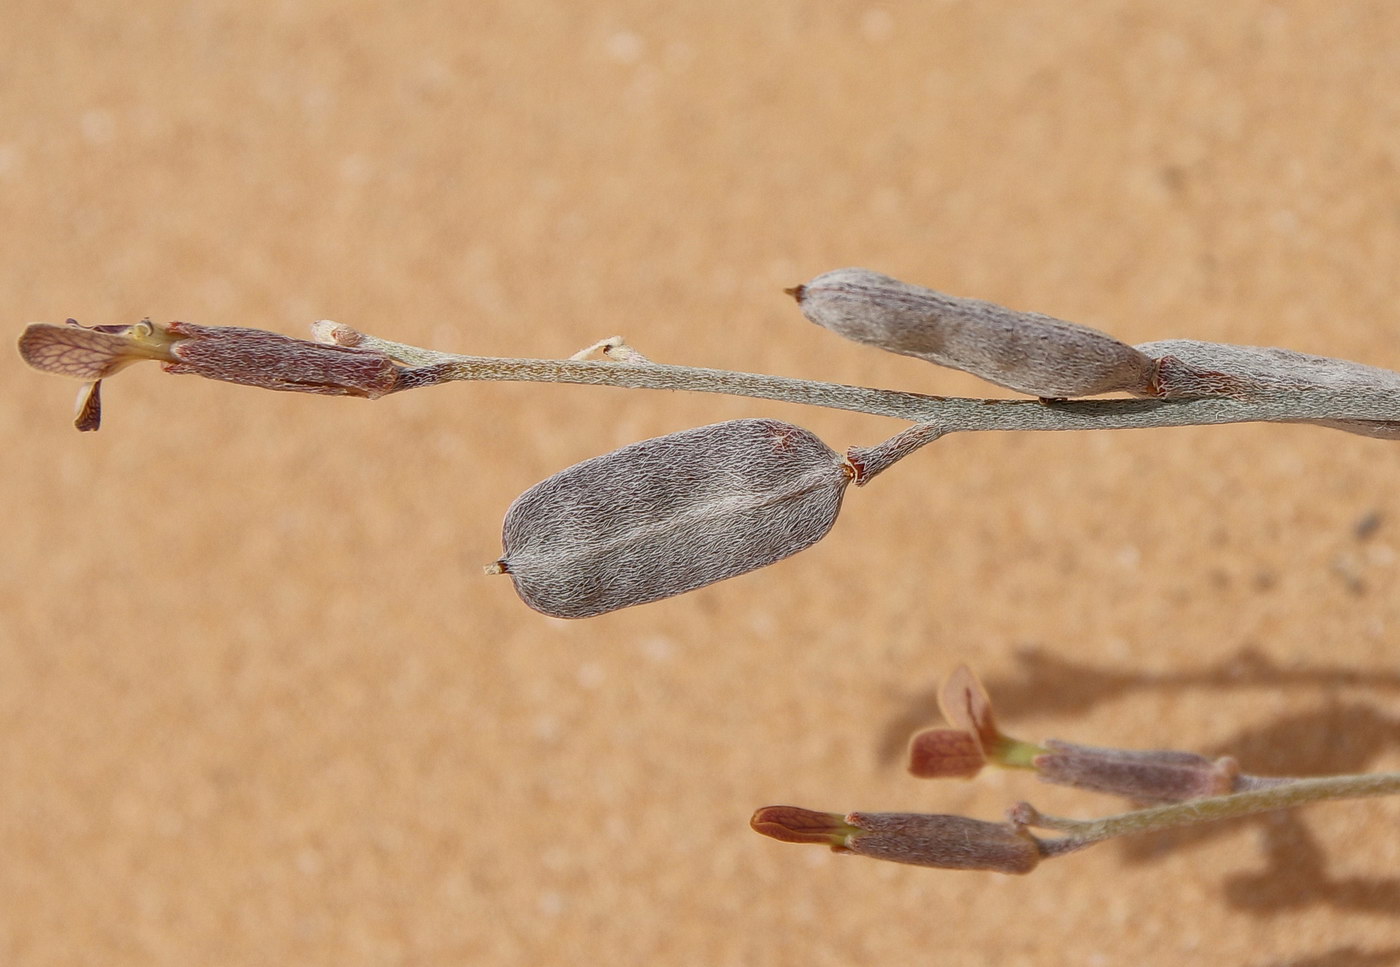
<point>1192,369</point>
<point>669,515</point>
<point>1025,351</point>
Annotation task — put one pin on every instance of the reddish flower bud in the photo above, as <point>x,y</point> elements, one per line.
<point>965,703</point>
<point>945,754</point>
<point>793,824</point>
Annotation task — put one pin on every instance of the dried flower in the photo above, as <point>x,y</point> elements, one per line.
<point>92,354</point>
<point>252,357</point>
<point>270,360</point>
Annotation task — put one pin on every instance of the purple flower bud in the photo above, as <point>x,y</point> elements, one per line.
<point>1148,775</point>
<point>945,754</point>
<point>793,824</point>
<point>947,842</point>
<point>919,839</point>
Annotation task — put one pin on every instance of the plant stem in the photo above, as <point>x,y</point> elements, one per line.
<point>1297,792</point>
<point>430,368</point>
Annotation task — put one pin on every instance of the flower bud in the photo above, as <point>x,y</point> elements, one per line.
<point>945,754</point>
<point>965,703</point>
<point>1148,775</point>
<point>670,514</point>
<point>947,842</point>
<point>919,839</point>
<point>975,740</point>
<point>793,824</point>
<point>1024,351</point>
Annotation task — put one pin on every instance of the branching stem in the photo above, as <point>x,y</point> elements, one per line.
<point>1286,795</point>
<point>430,368</point>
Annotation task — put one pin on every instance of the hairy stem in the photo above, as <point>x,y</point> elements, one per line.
<point>430,368</point>
<point>1286,795</point>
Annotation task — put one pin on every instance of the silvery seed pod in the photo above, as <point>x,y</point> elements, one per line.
<point>669,515</point>
<point>1024,351</point>
<point>1192,368</point>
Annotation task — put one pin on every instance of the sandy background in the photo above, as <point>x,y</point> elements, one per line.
<point>258,704</point>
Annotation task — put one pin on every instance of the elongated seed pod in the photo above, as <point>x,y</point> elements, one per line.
<point>670,514</point>
<point>1192,368</point>
<point>1024,351</point>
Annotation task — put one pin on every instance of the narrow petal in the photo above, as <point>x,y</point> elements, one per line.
<point>793,824</point>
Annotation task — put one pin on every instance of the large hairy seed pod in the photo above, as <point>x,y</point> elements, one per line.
<point>669,515</point>
<point>1024,351</point>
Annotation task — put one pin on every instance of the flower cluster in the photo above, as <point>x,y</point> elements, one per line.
<point>1176,788</point>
